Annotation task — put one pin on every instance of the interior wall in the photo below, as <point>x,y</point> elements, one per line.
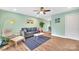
<point>59,28</point>
<point>0,20</point>
<point>20,21</point>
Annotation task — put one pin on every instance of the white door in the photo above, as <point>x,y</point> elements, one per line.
<point>72,26</point>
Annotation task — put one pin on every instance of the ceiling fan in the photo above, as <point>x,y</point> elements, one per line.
<point>42,10</point>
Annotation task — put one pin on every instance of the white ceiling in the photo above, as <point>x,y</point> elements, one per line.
<point>29,10</point>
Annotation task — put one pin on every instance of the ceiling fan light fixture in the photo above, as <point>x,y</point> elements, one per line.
<point>41,12</point>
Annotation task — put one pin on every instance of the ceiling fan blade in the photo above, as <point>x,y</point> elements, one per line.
<point>47,10</point>
<point>44,12</point>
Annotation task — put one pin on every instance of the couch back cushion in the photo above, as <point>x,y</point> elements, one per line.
<point>31,29</point>
<point>25,30</point>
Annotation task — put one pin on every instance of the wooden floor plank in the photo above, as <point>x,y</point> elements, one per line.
<point>53,44</point>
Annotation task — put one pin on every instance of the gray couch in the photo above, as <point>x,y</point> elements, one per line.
<point>28,32</point>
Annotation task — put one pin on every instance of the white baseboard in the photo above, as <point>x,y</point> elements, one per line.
<point>65,37</point>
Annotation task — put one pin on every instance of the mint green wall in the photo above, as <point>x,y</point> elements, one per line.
<point>0,22</point>
<point>20,19</point>
<point>59,28</point>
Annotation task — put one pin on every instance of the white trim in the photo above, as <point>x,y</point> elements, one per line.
<point>65,37</point>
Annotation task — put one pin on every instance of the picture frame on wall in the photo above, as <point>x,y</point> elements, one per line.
<point>57,20</point>
<point>30,21</point>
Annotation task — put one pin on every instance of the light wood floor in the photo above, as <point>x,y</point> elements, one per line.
<point>53,44</point>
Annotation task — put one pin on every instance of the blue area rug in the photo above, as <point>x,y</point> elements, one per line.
<point>34,42</point>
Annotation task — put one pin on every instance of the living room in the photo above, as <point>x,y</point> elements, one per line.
<point>27,24</point>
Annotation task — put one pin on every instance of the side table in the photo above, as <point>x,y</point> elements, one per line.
<point>17,39</point>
